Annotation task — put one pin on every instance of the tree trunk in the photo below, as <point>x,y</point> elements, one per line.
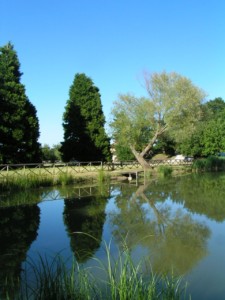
<point>158,132</point>
<point>140,158</point>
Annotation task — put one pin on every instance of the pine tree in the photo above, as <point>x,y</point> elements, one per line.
<point>85,138</point>
<point>19,126</point>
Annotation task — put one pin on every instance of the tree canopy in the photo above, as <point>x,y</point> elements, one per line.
<point>19,126</point>
<point>209,136</point>
<point>173,106</point>
<point>85,138</point>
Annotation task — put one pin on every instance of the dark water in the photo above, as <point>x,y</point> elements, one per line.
<point>178,223</point>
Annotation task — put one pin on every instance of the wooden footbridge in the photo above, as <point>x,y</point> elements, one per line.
<point>76,168</point>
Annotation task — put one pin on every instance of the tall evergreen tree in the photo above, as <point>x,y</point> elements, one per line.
<point>85,138</point>
<point>19,126</point>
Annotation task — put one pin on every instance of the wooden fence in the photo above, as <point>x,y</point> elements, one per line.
<point>55,169</point>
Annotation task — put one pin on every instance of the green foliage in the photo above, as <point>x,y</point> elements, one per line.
<point>215,107</point>
<point>165,144</point>
<point>210,163</point>
<point>51,154</point>
<point>131,118</point>
<point>173,106</point>
<point>85,138</point>
<point>123,153</point>
<point>213,138</point>
<point>19,127</point>
<point>208,138</point>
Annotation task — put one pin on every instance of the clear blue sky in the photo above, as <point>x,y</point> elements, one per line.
<point>113,42</point>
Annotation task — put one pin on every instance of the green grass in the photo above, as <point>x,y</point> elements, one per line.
<point>102,177</point>
<point>24,182</point>
<point>120,279</point>
<point>165,171</point>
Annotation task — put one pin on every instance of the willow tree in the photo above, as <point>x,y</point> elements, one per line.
<point>172,107</point>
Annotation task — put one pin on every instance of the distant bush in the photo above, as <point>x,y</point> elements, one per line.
<point>211,163</point>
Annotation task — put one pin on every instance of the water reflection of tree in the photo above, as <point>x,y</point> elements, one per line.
<point>203,194</point>
<point>26,197</point>
<point>18,229</point>
<point>86,215</point>
<point>171,237</point>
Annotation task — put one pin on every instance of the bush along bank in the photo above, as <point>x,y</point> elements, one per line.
<point>209,164</point>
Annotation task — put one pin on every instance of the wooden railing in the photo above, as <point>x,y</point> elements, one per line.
<point>44,169</point>
<point>170,162</point>
<point>55,169</point>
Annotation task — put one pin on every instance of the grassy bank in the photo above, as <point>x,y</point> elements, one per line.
<point>120,279</point>
<point>24,182</point>
<point>23,179</point>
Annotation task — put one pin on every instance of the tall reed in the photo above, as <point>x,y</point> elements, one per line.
<point>119,278</point>
<point>53,280</point>
<point>24,182</point>
<point>64,179</point>
<point>102,176</point>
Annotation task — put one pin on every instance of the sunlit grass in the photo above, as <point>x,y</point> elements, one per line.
<point>23,182</point>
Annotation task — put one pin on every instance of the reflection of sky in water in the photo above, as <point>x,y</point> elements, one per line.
<point>52,237</point>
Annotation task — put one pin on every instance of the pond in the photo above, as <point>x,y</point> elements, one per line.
<point>178,223</point>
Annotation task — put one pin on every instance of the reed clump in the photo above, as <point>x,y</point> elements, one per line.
<point>64,179</point>
<point>165,171</point>
<point>16,183</point>
<point>102,176</point>
<point>24,182</point>
<point>118,278</point>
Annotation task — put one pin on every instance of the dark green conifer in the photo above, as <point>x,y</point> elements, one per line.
<point>19,126</point>
<point>85,138</point>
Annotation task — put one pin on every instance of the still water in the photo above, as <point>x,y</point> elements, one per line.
<point>178,223</point>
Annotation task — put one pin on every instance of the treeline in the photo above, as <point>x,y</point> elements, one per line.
<point>83,120</point>
<point>174,118</point>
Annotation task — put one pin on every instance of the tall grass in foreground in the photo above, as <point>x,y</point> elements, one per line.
<point>120,279</point>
